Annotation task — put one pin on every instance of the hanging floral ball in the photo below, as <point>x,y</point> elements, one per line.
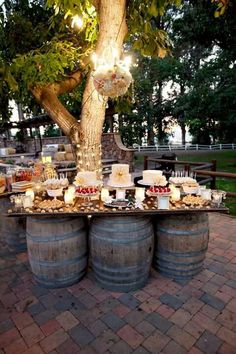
<point>112,81</point>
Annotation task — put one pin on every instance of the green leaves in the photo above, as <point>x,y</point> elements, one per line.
<point>46,65</point>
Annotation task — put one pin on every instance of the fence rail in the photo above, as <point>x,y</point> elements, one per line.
<point>185,147</point>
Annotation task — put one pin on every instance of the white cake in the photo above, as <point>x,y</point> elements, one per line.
<point>151,177</point>
<point>120,175</point>
<point>87,178</point>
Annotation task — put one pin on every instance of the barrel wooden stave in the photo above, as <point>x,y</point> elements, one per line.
<point>12,230</point>
<point>57,250</point>
<point>121,251</point>
<point>181,245</point>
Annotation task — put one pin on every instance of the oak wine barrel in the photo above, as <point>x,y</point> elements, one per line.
<point>57,250</point>
<point>12,230</point>
<point>181,244</point>
<point>121,250</point>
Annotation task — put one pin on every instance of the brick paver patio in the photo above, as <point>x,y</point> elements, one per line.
<point>195,317</point>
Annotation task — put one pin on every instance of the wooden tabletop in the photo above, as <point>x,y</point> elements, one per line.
<point>97,208</point>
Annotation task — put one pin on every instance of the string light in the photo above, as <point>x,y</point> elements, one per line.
<point>76,22</point>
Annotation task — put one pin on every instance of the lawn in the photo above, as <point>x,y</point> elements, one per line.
<point>226,162</point>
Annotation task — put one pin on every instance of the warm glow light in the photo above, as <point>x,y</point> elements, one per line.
<point>127,61</point>
<point>76,22</point>
<point>94,60</point>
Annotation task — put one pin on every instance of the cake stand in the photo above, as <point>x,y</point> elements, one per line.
<point>120,189</point>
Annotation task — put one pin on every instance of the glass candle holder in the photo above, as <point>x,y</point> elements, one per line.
<point>27,202</point>
<point>217,197</point>
<point>175,195</point>
<point>140,193</point>
<point>68,197</point>
<point>104,194</point>
<point>30,193</point>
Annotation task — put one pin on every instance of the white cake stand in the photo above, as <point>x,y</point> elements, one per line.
<point>120,189</point>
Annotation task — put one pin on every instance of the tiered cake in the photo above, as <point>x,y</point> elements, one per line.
<point>120,176</point>
<point>87,178</point>
<point>154,177</point>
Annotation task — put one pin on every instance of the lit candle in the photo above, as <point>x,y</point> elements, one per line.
<point>71,190</point>
<point>206,194</point>
<point>68,197</point>
<point>18,202</point>
<point>120,194</point>
<point>27,202</point>
<point>104,194</point>
<point>140,193</point>
<point>30,193</point>
<point>37,188</point>
<point>46,159</point>
<point>175,195</point>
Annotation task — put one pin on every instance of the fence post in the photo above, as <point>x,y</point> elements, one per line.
<point>185,147</point>
<point>145,163</point>
<point>233,146</point>
<point>210,147</point>
<point>187,168</point>
<point>213,181</point>
<point>196,146</point>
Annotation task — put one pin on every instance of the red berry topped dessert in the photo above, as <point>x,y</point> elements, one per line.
<point>87,190</point>
<point>159,189</point>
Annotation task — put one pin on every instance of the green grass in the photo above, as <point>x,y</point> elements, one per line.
<point>226,162</point>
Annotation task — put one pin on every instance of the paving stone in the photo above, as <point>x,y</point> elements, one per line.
<point>159,322</point>
<point>165,311</point>
<point>213,301</point>
<point>18,346</point>
<point>67,320</point>
<point>150,305</point>
<point>108,304</point>
<point>97,327</point>
<point>105,341</point>
<point>9,299</point>
<point>48,301</point>
<point>135,316</point>
<point>54,340</point>
<point>193,305</point>
<point>121,310</point>
<point>112,321</point>
<point>120,347</point>
<point>140,350</point>
<point>156,342</point>
<point>50,327</point>
<point>88,300</point>
<point>6,325</point>
<point>68,347</point>
<point>8,337</point>
<point>22,320</point>
<point>45,316</point>
<point>145,328</point>
<point>38,290</point>
<point>226,349</point>
<point>35,349</point>
<point>227,336</point>
<point>194,328</point>
<point>171,301</point>
<point>131,336</point>
<point>81,335</point>
<point>180,317</point>
<point>129,300</point>
<point>206,322</point>
<point>208,343</point>
<point>181,337</point>
<point>227,319</point>
<point>209,311</point>
<point>173,347</point>
<point>36,309</point>
<point>231,283</point>
<point>32,334</point>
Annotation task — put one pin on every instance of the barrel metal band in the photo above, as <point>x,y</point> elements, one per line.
<point>76,233</point>
<point>60,263</point>
<point>120,241</point>
<point>183,232</point>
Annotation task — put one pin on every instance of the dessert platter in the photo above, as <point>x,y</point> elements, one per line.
<point>118,203</point>
<point>158,190</point>
<point>55,186</point>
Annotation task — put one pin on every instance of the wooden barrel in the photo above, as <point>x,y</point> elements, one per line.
<point>181,244</point>
<point>57,249</point>
<point>121,251</point>
<point>12,229</point>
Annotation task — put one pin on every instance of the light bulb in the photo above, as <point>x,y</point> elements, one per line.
<point>127,61</point>
<point>76,22</point>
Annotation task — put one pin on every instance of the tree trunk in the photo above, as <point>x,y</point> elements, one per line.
<point>112,29</point>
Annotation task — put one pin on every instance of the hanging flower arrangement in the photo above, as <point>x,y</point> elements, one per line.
<point>111,76</point>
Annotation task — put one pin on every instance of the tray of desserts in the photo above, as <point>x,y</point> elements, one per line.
<point>155,191</point>
<point>50,204</point>
<point>118,203</point>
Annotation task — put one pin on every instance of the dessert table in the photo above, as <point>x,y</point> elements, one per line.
<point>120,244</point>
